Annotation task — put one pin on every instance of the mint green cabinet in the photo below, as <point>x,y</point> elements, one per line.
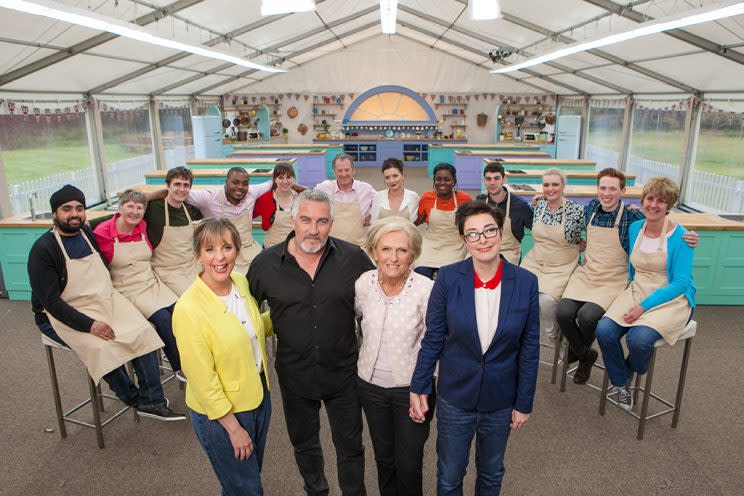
<point>15,244</point>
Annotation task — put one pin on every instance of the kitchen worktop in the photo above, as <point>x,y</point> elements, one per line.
<point>505,152</point>
<point>247,152</point>
<point>495,146</point>
<point>235,161</point>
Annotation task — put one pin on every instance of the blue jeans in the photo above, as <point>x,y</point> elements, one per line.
<point>146,367</point>
<point>237,478</point>
<point>163,322</point>
<point>455,430</point>
<point>427,271</point>
<point>640,341</point>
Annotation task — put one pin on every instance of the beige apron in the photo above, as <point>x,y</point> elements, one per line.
<point>347,222</point>
<point>604,274</point>
<point>442,242</point>
<point>173,260</point>
<point>668,319</point>
<point>387,212</point>
<point>511,248</point>
<point>248,246</point>
<point>281,227</point>
<point>552,259</point>
<point>89,291</point>
<point>134,278</point>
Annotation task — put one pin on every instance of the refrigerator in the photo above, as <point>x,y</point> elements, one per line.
<point>207,131</point>
<point>568,137</point>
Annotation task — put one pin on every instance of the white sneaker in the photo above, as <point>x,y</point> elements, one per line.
<point>624,396</point>
<point>179,376</point>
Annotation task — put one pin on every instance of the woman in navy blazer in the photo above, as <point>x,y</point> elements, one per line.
<point>485,336</point>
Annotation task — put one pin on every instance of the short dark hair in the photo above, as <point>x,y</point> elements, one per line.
<point>611,172</point>
<point>280,169</point>
<point>476,207</point>
<point>494,167</point>
<point>445,166</point>
<point>235,170</point>
<point>180,171</point>
<point>392,163</point>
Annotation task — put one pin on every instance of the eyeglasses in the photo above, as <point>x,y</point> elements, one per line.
<point>474,236</point>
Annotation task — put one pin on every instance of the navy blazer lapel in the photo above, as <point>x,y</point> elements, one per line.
<point>508,274</point>
<point>467,292</point>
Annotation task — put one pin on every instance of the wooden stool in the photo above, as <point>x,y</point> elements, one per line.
<point>95,399</point>
<point>687,336</point>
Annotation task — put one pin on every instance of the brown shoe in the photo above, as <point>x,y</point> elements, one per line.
<point>584,370</point>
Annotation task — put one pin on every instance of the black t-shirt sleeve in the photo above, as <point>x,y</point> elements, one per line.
<point>155,222</point>
<point>194,212</point>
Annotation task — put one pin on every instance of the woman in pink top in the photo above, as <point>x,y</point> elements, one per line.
<point>124,245</point>
<point>392,301</point>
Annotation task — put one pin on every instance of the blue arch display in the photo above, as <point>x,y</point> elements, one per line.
<point>387,89</point>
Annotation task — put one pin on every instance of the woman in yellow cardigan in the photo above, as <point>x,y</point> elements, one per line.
<point>221,337</point>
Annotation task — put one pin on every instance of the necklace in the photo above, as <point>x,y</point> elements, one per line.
<point>395,287</point>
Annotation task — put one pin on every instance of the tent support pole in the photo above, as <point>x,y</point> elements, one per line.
<point>156,135</point>
<point>95,145</point>
<point>585,111</point>
<point>689,149</point>
<point>5,209</point>
<point>622,161</point>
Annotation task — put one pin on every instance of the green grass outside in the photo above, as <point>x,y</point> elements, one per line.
<point>31,163</point>
<point>718,153</point>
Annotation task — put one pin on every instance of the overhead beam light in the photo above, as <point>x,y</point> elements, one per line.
<point>276,7</point>
<point>483,10</point>
<point>681,20</point>
<point>124,29</point>
<point>388,15</point>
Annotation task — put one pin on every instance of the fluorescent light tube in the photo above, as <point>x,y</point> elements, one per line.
<point>482,10</point>
<point>275,7</point>
<point>90,20</point>
<point>688,18</point>
<point>388,15</point>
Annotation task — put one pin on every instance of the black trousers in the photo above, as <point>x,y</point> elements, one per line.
<point>397,440</point>
<point>303,424</point>
<point>578,322</point>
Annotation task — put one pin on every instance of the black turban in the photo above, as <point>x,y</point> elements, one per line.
<point>66,194</point>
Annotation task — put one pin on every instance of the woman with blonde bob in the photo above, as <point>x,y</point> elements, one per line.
<point>392,302</point>
<point>658,302</point>
<point>221,336</point>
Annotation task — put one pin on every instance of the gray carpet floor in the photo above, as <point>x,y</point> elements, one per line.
<point>566,448</point>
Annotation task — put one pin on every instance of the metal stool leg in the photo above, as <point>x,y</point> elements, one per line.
<point>603,396</point>
<point>681,383</point>
<point>646,395</point>
<point>636,388</point>
<point>100,397</point>
<point>55,391</point>
<point>130,371</point>
<point>564,371</point>
<point>556,357</point>
<point>96,412</point>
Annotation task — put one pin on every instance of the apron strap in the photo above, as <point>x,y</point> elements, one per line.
<point>508,202</point>
<point>165,209</point>
<point>62,247</point>
<point>186,211</point>
<point>619,214</point>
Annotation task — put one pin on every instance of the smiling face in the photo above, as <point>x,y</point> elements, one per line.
<point>552,188</point>
<point>284,182</point>
<point>312,226</point>
<point>344,171</point>
<point>236,187</point>
<point>394,255</point>
<point>394,179</point>
<point>609,192</point>
<point>178,190</point>
<point>494,182</point>
<point>485,250</point>
<point>217,256</point>
<point>131,213</point>
<point>69,217</point>
<point>444,183</point>
<point>655,206</point>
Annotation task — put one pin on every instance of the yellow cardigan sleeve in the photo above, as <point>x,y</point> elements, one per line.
<point>197,360</point>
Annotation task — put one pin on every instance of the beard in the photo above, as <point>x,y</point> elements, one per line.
<point>66,228</point>
<point>310,250</point>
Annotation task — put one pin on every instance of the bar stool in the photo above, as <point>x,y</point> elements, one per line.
<point>95,399</point>
<point>687,336</point>
<point>556,347</point>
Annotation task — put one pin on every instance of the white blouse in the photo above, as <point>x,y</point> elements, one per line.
<point>410,203</point>
<point>392,328</point>
<point>487,303</point>
<point>236,305</point>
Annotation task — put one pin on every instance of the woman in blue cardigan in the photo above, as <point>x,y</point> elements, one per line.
<point>658,302</point>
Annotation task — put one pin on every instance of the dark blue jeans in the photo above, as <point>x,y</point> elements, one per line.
<point>455,430</point>
<point>163,322</point>
<point>150,391</point>
<point>640,341</point>
<point>237,478</point>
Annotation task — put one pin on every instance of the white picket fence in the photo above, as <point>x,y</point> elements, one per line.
<point>708,192</point>
<point>119,175</point>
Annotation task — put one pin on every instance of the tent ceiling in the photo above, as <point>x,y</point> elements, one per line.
<point>34,58</point>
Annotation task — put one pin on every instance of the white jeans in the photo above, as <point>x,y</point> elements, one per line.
<point>549,329</point>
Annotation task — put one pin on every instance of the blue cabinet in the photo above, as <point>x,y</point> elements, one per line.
<point>207,131</point>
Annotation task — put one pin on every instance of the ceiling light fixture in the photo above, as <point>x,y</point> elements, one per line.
<point>483,10</point>
<point>124,29</point>
<point>683,19</point>
<point>388,15</point>
<point>276,7</point>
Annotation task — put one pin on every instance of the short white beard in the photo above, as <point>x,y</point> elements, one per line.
<point>310,250</point>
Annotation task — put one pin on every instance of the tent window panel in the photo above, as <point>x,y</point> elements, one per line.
<point>176,136</point>
<point>42,153</point>
<point>656,143</point>
<point>127,147</point>
<point>605,136</point>
<point>717,177</point>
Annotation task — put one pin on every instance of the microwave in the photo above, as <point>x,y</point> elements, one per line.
<point>530,136</point>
